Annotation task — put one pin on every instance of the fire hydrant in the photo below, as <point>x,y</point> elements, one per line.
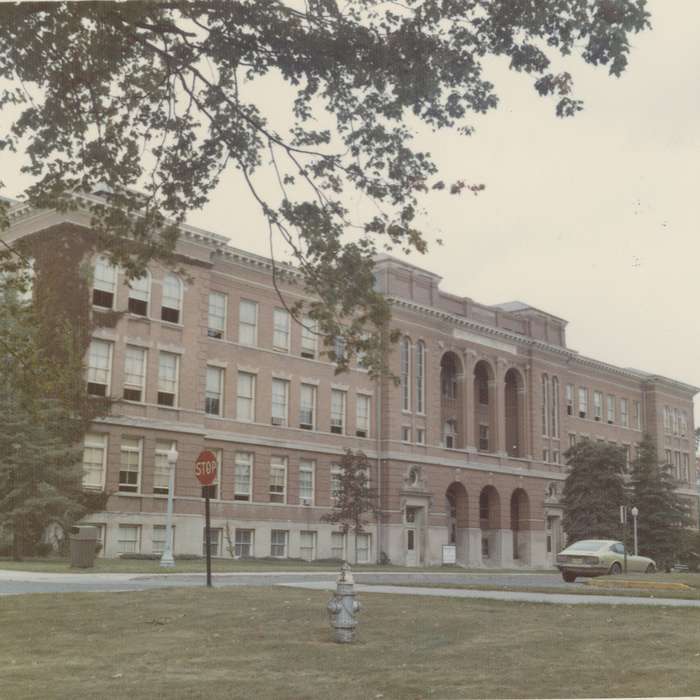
<point>342,608</point>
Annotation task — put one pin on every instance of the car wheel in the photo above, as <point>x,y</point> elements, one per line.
<point>650,569</point>
<point>615,569</point>
<point>568,576</point>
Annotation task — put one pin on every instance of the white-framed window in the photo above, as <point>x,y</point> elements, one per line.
<point>545,404</point>
<point>677,465</point>
<point>674,421</point>
<point>683,417</point>
<point>309,343</point>
<point>129,539</point>
<point>569,392</point>
<point>405,433</point>
<point>338,545</point>
<point>216,536</point>
<point>420,376</point>
<point>94,460</point>
<point>307,407</point>
<point>216,324</point>
<point>336,481</point>
<point>104,287</point>
<point>245,397</point>
<point>545,455</point>
<point>611,409</point>
<point>135,373</point>
<point>420,436</point>
<point>168,378</point>
<point>243,484</point>
<point>362,406</point>
<point>637,416</point>
<point>339,348</point>
<point>667,419</point>
<point>449,434</point>
<point>363,547</point>
<point>244,543</point>
<point>158,539</point>
<point>572,439</point>
<point>214,396</point>
<point>628,455</point>
<point>280,335</point>
<point>99,369</point>
<point>278,543</point>
<point>213,489</point>
<point>171,305</point>
<point>484,438</point>
<point>247,322</point>
<point>161,468</point>
<point>405,384</point>
<point>624,413</point>
<point>338,403</point>
<point>140,295</point>
<point>278,479</point>
<point>307,545</point>
<point>280,401</point>
<point>668,457</point>
<point>555,456</point>
<point>307,469</point>
<point>582,402</point>
<point>554,422</point>
<point>130,460</point>
<point>685,468</point>
<point>597,405</point>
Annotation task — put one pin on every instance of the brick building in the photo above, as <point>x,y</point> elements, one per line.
<point>466,449</point>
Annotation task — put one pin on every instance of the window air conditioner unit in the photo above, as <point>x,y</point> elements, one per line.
<point>305,501</point>
<point>277,421</point>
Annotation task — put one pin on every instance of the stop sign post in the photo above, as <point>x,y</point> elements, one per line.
<point>206,469</point>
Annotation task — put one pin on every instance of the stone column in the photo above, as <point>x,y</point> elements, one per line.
<point>525,418</point>
<point>504,538</point>
<point>499,407</point>
<point>469,420</point>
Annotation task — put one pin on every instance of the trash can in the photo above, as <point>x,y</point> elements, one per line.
<point>83,540</point>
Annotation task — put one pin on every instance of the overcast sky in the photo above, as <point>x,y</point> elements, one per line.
<point>594,218</point>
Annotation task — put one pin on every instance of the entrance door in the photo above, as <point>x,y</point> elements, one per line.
<point>411,537</point>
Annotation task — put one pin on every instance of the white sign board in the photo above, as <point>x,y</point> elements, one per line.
<point>449,553</point>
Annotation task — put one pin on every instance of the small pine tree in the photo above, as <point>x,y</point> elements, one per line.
<point>353,498</point>
<point>593,491</point>
<point>663,514</point>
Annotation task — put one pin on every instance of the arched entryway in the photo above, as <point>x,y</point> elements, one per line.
<point>490,523</point>
<point>451,401</point>
<point>458,513</point>
<point>484,406</point>
<point>515,433</point>
<point>520,525</point>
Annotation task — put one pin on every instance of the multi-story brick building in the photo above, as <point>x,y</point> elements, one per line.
<point>467,448</point>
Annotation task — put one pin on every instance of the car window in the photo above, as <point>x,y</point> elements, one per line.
<point>617,548</point>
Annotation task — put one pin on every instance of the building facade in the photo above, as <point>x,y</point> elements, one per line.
<point>466,449</point>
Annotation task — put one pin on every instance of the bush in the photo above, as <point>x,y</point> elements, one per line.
<point>43,549</point>
<point>140,557</point>
<point>384,559</point>
<point>189,557</point>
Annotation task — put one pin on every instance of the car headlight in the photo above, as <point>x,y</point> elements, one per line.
<point>591,560</point>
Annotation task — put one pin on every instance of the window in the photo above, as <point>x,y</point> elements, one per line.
<point>667,419</point>
<point>668,456</point>
<point>245,398</point>
<point>215,540</point>
<point>94,460</point>
<point>611,409</point>
<point>213,489</point>
<point>405,433</point>
<point>130,465</point>
<point>243,477</point>
<point>554,422</point>
<point>134,373</point>
<point>555,456</point>
<point>404,376</point>
<point>624,413</point>
<point>450,434</point>
<point>628,455</point>
<point>307,545</point>
<point>158,539</point>
<point>217,315</point>
<point>338,411</point>
<point>308,338</point>
<point>278,543</point>
<point>420,436</point>
<point>336,482</point>
<point>140,295</point>
<point>129,539</point>
<point>545,404</point>
<point>337,545</point>
<point>569,399</point>
<point>338,349</point>
<point>213,400</point>
<point>104,286</point>
<point>362,417</point>
<point>278,479</point>
<point>582,402</point>
<point>99,368</point>
<point>247,322</point>
<point>244,543</point>
<point>685,472</point>
<point>545,455</point>
<point>420,376</point>
<point>597,406</point>
<point>161,468</point>
<point>280,336</point>
<point>280,398</point>
<point>677,464</point>
<point>684,420</point>
<point>306,481</point>
<point>172,299</point>
<point>307,407</point>
<point>638,417</point>
<point>168,370</point>
<point>572,439</point>
<point>363,547</point>
<point>484,438</point>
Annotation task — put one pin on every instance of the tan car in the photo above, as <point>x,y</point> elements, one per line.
<point>599,557</point>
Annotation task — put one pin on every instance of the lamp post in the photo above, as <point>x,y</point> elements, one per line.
<point>635,513</point>
<point>167,560</point>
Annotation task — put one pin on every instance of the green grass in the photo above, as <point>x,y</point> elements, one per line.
<point>692,580</point>
<point>276,643</point>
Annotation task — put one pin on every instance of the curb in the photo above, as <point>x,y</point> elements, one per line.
<point>649,585</point>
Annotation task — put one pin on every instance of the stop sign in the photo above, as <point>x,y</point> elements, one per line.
<point>205,468</point>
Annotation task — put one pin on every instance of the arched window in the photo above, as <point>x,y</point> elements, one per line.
<point>140,295</point>
<point>420,376</point>
<point>172,299</point>
<point>405,374</point>
<point>545,404</point>
<point>554,425</point>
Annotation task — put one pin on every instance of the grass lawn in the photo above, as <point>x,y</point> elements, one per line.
<point>692,580</point>
<point>276,643</point>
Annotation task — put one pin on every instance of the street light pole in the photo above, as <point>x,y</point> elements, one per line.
<point>167,560</point>
<point>635,513</point>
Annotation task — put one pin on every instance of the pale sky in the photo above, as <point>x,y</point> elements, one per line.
<point>593,218</point>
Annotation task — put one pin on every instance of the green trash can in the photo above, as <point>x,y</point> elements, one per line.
<point>83,540</point>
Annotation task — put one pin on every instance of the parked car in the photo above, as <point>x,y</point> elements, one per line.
<point>599,557</point>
